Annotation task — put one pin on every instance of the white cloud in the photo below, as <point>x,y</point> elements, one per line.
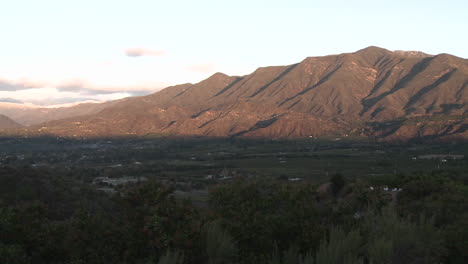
<point>91,90</point>
<point>52,96</point>
<point>70,92</point>
<point>138,52</point>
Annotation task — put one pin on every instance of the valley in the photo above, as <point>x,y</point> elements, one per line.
<point>137,198</point>
<point>198,163</point>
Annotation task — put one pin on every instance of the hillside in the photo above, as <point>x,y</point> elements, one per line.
<point>33,115</point>
<point>8,123</point>
<point>373,92</point>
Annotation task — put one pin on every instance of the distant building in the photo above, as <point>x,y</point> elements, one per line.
<point>442,157</point>
<point>294,179</point>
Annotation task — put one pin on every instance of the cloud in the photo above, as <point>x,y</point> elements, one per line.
<point>138,52</point>
<point>26,92</point>
<point>6,85</point>
<point>82,89</point>
<point>203,68</point>
<point>52,96</point>
<point>60,101</point>
<point>78,87</point>
<point>89,90</point>
<point>11,100</point>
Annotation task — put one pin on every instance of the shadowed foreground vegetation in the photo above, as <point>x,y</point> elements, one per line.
<point>45,219</point>
<point>225,201</point>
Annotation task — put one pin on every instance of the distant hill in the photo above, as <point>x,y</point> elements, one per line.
<point>32,115</point>
<point>8,123</point>
<point>373,92</point>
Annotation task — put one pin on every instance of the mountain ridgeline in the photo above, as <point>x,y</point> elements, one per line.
<point>373,93</point>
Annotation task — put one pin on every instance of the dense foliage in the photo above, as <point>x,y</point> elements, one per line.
<point>47,217</point>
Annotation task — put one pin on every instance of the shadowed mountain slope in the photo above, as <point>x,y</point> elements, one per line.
<point>8,123</point>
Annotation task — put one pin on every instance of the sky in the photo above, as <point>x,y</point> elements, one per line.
<point>66,51</point>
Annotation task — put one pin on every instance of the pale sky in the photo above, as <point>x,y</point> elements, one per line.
<point>63,51</point>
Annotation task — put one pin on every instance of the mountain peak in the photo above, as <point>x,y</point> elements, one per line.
<point>218,75</point>
<point>372,54</point>
<point>372,49</point>
<point>216,78</point>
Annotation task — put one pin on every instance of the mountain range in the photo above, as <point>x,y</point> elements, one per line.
<point>374,92</point>
<point>28,115</point>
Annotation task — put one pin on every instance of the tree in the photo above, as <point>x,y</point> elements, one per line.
<point>338,182</point>
<point>339,248</point>
<point>392,239</point>
<point>155,222</point>
<point>262,215</point>
<point>172,257</point>
<point>220,246</point>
